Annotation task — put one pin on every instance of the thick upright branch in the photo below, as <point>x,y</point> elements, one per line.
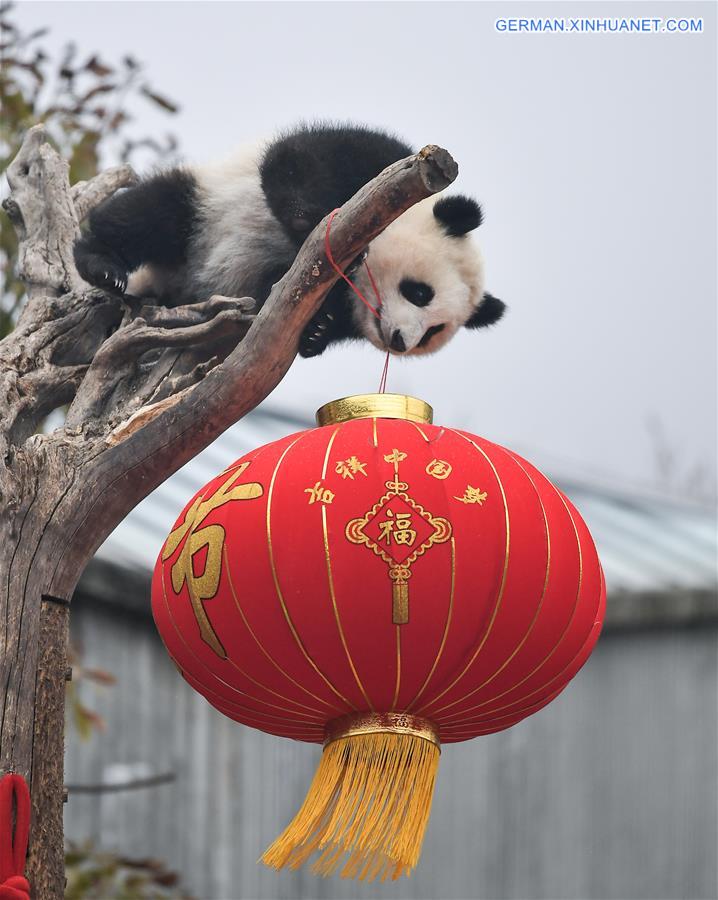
<point>43,214</point>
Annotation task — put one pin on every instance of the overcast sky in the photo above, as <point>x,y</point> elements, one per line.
<point>594,157</point>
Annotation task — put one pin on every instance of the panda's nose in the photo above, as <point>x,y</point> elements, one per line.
<point>397,342</point>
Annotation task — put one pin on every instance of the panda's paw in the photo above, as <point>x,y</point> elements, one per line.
<point>111,278</point>
<point>118,283</point>
<point>102,272</point>
<point>316,337</point>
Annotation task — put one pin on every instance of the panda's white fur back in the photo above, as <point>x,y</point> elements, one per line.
<point>236,239</point>
<point>232,204</point>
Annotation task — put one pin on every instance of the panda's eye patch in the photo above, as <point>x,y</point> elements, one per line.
<point>429,334</point>
<point>416,292</point>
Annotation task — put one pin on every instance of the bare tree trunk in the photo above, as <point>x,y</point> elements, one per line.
<point>46,865</point>
<point>129,425</point>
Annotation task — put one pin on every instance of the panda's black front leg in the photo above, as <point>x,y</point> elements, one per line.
<point>319,333</point>
<point>331,324</point>
<point>151,222</point>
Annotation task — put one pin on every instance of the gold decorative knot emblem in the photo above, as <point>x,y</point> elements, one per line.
<point>399,530</point>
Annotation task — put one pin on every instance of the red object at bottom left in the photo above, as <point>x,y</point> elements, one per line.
<point>14,798</point>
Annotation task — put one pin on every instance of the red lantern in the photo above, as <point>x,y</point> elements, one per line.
<point>380,585</point>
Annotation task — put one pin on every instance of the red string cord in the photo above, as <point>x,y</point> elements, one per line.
<point>375,310</point>
<point>14,796</point>
<point>385,372</point>
<point>340,271</point>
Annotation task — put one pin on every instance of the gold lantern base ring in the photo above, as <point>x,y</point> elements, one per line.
<point>381,723</point>
<point>368,806</point>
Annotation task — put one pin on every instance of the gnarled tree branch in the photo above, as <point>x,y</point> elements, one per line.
<point>88,194</point>
<point>119,355</point>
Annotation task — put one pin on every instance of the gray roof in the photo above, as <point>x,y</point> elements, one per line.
<point>647,543</point>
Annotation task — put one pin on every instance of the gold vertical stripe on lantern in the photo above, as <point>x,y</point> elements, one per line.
<point>368,806</point>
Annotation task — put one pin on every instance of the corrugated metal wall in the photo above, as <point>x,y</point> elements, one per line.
<point>611,792</point>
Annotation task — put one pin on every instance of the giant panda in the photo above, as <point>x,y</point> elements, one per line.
<point>429,277</point>
<point>234,228</point>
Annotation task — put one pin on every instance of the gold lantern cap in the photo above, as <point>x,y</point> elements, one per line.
<point>375,406</point>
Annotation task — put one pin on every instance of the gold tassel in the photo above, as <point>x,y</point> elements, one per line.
<point>400,603</point>
<point>369,803</point>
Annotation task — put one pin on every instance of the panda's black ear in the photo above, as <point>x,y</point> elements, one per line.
<point>488,312</point>
<point>458,215</point>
